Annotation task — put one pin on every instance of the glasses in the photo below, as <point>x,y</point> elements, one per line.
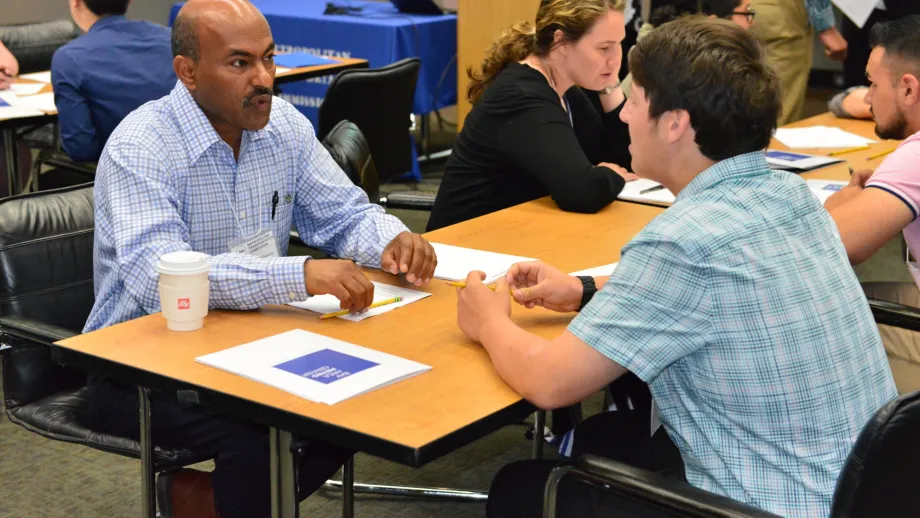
<point>749,14</point>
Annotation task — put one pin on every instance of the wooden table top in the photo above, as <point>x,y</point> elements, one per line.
<point>857,159</point>
<point>301,73</point>
<point>402,422</point>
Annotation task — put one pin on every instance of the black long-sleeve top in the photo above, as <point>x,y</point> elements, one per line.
<point>518,144</point>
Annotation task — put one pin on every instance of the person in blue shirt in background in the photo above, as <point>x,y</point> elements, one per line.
<point>104,75</point>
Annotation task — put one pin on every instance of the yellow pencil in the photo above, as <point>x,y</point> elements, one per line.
<point>850,150</point>
<point>463,285</point>
<point>374,305</point>
<point>881,154</point>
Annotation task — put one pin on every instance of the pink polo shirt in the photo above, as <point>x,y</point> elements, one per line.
<point>899,175</point>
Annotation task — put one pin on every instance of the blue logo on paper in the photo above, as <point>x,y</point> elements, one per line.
<point>833,187</point>
<point>326,366</point>
<point>782,155</point>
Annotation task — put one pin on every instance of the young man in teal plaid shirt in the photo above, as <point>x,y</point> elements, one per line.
<point>737,305</point>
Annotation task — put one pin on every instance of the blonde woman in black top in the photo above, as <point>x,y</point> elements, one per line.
<point>545,117</point>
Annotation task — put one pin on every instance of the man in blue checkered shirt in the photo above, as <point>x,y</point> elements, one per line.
<point>737,305</point>
<point>217,166</point>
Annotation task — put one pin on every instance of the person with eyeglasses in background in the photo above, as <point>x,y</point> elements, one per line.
<point>738,11</point>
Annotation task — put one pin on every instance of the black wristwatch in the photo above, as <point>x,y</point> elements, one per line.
<point>589,288</point>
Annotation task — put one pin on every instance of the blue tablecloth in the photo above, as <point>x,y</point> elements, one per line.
<point>378,33</point>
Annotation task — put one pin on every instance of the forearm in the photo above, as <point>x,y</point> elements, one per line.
<point>613,100</point>
<point>517,357</point>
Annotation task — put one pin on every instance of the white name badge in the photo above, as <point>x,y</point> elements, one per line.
<point>262,245</point>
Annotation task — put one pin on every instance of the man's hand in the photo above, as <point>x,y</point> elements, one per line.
<point>477,305</point>
<point>835,46</point>
<point>341,279</point>
<point>412,255</point>
<point>620,171</point>
<point>539,284</point>
<point>9,68</point>
<point>857,183</point>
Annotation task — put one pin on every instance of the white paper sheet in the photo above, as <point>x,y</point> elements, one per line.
<point>26,88</point>
<point>324,304</point>
<point>13,108</point>
<point>43,77</point>
<point>313,366</point>
<point>820,137</point>
<point>797,161</point>
<point>282,70</point>
<point>858,11</point>
<point>824,189</point>
<point>41,102</point>
<point>455,263</point>
<point>632,191</point>
<point>597,271</point>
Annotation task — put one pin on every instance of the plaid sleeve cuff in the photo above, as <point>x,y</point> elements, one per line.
<point>286,279</point>
<point>821,17</point>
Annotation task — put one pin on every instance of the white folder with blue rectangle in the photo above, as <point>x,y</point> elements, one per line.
<point>314,367</point>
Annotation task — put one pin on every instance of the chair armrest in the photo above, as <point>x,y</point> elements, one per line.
<point>413,200</point>
<point>33,330</point>
<point>56,158</point>
<point>644,488</point>
<point>897,315</point>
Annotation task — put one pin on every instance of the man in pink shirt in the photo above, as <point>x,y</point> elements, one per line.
<point>876,206</point>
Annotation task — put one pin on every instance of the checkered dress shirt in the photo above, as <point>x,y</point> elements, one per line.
<point>740,309</point>
<point>167,182</point>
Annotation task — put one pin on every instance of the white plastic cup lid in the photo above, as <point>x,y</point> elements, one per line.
<point>183,263</point>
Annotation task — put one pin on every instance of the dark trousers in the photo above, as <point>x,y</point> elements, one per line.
<point>517,490</point>
<point>240,448</point>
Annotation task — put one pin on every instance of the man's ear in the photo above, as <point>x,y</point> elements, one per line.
<point>185,70</point>
<point>910,87</point>
<point>673,125</point>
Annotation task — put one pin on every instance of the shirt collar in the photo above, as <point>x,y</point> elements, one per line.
<point>196,129</point>
<point>748,164</point>
<point>105,21</point>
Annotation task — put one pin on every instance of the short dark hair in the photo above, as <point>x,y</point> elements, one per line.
<point>107,7</point>
<point>185,37</point>
<point>900,38</point>
<point>671,10</point>
<point>716,71</point>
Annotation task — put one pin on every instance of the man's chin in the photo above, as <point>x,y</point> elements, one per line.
<point>256,123</point>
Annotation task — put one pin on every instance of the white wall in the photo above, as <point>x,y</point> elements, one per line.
<point>25,11</point>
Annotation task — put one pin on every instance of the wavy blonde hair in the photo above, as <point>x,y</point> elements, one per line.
<point>573,17</point>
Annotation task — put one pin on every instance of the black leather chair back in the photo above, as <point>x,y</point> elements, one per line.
<point>349,149</point>
<point>379,102</point>
<point>46,275</point>
<point>34,44</point>
<point>881,476</point>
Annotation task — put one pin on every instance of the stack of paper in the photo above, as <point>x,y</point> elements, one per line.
<point>455,263</point>
<point>646,191</point>
<point>323,304</point>
<point>820,137</point>
<point>314,367</point>
<point>40,102</point>
<point>26,88</point>
<point>11,109</point>
<point>41,77</point>
<point>597,271</point>
<point>797,162</point>
<point>823,189</point>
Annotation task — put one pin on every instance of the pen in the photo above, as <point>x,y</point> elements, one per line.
<point>274,204</point>
<point>463,285</point>
<point>850,150</point>
<point>344,312</point>
<point>880,154</point>
<point>652,189</point>
<point>851,171</point>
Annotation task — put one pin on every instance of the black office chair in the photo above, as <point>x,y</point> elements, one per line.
<point>33,44</point>
<point>46,293</point>
<point>879,478</point>
<point>379,102</point>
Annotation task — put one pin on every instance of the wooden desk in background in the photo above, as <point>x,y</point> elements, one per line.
<point>8,129</point>
<point>857,159</point>
<point>411,422</point>
<point>292,75</point>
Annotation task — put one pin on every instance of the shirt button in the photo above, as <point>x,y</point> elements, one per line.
<point>292,295</point>
<point>243,215</point>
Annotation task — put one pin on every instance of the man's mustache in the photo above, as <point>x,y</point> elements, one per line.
<point>257,92</point>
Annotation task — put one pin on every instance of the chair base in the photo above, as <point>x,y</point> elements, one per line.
<point>413,492</point>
